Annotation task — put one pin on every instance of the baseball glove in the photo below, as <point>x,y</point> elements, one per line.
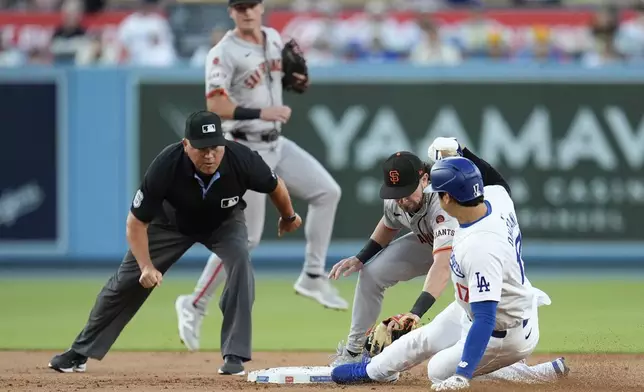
<point>379,336</point>
<point>293,61</point>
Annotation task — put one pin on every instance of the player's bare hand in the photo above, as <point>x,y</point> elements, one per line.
<point>406,318</point>
<point>345,267</point>
<point>284,226</point>
<point>276,113</point>
<point>303,79</point>
<point>150,277</point>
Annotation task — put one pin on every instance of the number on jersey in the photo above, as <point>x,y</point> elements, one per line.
<point>463,292</point>
<point>481,283</point>
<point>518,246</point>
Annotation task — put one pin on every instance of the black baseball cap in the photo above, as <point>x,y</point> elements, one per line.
<point>203,129</point>
<point>235,2</point>
<point>401,172</point>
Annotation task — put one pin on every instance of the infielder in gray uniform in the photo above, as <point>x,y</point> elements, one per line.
<point>244,86</point>
<point>424,251</point>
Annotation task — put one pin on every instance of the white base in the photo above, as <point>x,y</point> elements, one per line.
<point>292,375</point>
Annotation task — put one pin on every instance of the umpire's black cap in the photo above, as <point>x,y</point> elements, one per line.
<point>235,2</point>
<point>203,129</point>
<point>402,172</point>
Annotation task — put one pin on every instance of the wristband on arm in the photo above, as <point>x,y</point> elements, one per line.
<point>370,249</point>
<point>242,113</point>
<point>423,303</point>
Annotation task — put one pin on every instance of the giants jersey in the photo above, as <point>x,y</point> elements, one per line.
<point>487,265</point>
<point>249,74</point>
<point>431,224</point>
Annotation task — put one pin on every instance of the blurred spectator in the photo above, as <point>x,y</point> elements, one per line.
<point>198,58</point>
<point>146,38</point>
<point>475,33</point>
<point>96,52</point>
<point>39,56</point>
<point>630,35</point>
<point>380,37</point>
<point>542,48</point>
<point>10,56</point>
<point>321,53</point>
<point>70,36</point>
<point>497,48</point>
<point>431,49</point>
<point>604,28</point>
<point>45,5</point>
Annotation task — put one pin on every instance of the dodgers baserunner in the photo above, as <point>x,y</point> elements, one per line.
<point>244,83</point>
<point>424,251</point>
<point>491,288</point>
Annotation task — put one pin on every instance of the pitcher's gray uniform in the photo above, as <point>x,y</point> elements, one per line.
<point>407,257</point>
<point>250,75</point>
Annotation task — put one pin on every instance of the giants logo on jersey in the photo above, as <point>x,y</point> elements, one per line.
<point>256,76</point>
<point>443,232</point>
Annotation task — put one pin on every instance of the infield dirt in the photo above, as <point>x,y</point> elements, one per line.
<point>143,372</point>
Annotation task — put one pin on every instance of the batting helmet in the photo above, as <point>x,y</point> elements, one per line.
<point>458,177</point>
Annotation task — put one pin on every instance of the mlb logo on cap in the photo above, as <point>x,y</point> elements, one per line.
<point>208,128</point>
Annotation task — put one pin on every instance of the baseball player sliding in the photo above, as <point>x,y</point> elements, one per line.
<point>245,75</point>
<point>493,325</point>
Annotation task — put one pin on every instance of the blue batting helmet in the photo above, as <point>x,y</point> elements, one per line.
<point>458,177</point>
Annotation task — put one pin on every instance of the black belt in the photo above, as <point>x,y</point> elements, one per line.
<point>269,136</point>
<point>502,334</point>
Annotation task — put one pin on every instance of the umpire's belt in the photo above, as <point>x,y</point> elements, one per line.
<point>267,137</point>
<point>502,334</point>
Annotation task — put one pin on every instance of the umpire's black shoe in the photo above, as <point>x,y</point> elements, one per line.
<point>68,362</point>
<point>232,366</point>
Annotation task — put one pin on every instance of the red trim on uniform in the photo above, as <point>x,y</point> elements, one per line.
<point>216,92</point>
<point>212,279</point>
<point>389,228</point>
<point>442,249</point>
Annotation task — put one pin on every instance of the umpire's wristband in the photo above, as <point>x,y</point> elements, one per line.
<point>423,303</point>
<point>370,249</point>
<point>242,113</point>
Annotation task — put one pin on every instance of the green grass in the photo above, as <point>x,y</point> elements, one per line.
<point>585,316</point>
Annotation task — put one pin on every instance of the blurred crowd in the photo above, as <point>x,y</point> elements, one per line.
<point>427,40</point>
<point>145,37</point>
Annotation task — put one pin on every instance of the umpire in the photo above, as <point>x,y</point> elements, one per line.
<point>192,192</point>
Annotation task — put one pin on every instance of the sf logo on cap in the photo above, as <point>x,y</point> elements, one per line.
<point>394,176</point>
<point>208,128</point>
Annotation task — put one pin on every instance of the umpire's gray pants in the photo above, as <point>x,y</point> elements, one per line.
<point>123,295</point>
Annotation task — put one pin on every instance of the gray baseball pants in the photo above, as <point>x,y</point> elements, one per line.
<point>404,259</point>
<point>123,295</point>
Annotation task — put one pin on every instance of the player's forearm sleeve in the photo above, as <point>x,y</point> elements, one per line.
<point>478,337</point>
<point>491,176</point>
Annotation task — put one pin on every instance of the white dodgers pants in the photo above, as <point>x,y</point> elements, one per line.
<point>443,340</point>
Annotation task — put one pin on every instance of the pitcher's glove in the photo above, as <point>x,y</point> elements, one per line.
<point>293,61</point>
<point>380,335</point>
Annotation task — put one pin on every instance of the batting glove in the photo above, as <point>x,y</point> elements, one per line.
<point>443,147</point>
<point>454,383</point>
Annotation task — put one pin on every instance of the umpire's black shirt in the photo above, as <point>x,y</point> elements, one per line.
<point>196,203</point>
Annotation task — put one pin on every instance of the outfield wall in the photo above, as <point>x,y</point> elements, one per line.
<point>569,140</point>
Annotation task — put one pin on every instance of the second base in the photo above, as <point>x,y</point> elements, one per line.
<point>292,375</point>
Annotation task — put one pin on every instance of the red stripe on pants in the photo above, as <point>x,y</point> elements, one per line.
<point>212,279</point>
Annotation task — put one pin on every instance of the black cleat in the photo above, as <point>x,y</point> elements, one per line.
<point>69,362</point>
<point>232,366</point>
